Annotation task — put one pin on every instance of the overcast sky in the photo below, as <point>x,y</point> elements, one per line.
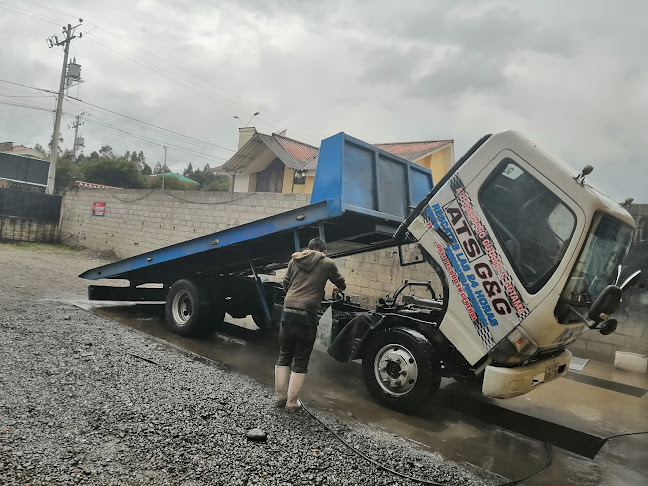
<point>571,76</point>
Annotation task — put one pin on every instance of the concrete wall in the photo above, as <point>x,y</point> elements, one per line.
<point>141,220</point>
<point>137,221</point>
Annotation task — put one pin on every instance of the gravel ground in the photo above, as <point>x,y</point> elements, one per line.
<point>85,400</point>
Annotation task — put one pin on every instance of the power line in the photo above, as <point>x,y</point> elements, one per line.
<point>24,96</point>
<point>23,105</point>
<point>26,86</point>
<point>48,8</point>
<point>149,124</point>
<point>27,14</point>
<point>105,124</point>
<point>317,136</point>
<point>181,81</point>
<point>128,117</point>
<point>20,116</point>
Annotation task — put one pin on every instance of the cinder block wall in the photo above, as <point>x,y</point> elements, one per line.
<point>137,221</point>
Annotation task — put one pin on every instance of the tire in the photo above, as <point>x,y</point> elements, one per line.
<point>193,309</point>
<point>400,369</point>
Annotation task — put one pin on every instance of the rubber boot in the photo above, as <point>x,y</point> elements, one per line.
<point>294,387</point>
<point>282,378</point>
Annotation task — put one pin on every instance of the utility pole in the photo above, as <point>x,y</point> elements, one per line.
<point>69,35</point>
<point>164,169</point>
<point>76,126</point>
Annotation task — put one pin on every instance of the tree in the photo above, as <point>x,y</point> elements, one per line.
<point>171,183</point>
<point>117,172</point>
<point>220,183</point>
<point>188,171</point>
<point>67,173</point>
<point>51,143</point>
<point>146,169</point>
<point>106,151</point>
<point>158,169</point>
<point>39,148</point>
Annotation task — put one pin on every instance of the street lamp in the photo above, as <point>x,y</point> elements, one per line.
<point>248,122</point>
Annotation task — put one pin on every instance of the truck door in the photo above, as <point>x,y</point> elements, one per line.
<point>499,231</point>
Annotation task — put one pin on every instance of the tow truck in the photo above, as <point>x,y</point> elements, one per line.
<point>528,254</point>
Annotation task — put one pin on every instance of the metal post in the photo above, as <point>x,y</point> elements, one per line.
<point>164,168</point>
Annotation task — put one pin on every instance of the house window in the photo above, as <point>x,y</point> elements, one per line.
<point>299,178</point>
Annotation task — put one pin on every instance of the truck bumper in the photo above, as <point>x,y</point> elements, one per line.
<point>502,382</point>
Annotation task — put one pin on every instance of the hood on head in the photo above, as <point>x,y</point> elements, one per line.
<point>307,259</point>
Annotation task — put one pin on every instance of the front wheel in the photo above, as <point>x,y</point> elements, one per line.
<point>400,369</point>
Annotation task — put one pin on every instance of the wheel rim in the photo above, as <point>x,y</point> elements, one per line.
<point>182,307</point>
<point>395,369</point>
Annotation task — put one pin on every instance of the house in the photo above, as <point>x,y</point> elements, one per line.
<point>276,163</point>
<point>10,148</point>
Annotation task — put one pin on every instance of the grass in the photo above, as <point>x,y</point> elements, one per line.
<point>37,247</point>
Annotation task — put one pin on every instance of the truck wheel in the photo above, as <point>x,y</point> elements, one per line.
<point>190,310</point>
<point>400,369</point>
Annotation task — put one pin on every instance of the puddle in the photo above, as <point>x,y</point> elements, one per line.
<point>456,424</point>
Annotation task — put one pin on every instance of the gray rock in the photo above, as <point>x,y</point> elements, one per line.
<point>256,435</point>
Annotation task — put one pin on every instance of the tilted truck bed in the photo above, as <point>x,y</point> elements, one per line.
<point>360,196</point>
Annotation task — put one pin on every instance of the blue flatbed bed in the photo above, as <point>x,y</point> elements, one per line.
<point>360,196</point>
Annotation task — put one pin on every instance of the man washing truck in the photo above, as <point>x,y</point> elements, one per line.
<point>306,276</point>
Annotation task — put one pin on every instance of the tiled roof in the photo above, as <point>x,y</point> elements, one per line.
<point>293,153</point>
<point>301,156</point>
<point>413,150</point>
<point>92,185</point>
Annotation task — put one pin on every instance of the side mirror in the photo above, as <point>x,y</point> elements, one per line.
<point>606,302</point>
<point>631,281</point>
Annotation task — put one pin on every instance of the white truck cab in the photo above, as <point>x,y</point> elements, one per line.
<point>526,246</point>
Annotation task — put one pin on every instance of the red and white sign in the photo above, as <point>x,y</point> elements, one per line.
<point>98,208</point>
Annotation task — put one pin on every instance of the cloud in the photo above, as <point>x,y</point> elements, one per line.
<point>571,76</point>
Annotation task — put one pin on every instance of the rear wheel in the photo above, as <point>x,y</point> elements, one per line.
<point>193,309</point>
<point>400,369</point>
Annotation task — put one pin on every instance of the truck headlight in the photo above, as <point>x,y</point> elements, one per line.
<point>514,349</point>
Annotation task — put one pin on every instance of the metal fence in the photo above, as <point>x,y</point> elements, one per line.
<point>29,216</point>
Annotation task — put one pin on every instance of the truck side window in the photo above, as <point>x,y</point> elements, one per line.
<point>531,223</point>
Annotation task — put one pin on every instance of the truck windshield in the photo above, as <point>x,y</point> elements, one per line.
<point>531,222</point>
<point>605,249</point>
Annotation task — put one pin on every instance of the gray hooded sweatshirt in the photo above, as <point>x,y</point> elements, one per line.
<point>306,277</point>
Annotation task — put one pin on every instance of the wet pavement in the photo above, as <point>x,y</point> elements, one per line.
<point>502,436</point>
